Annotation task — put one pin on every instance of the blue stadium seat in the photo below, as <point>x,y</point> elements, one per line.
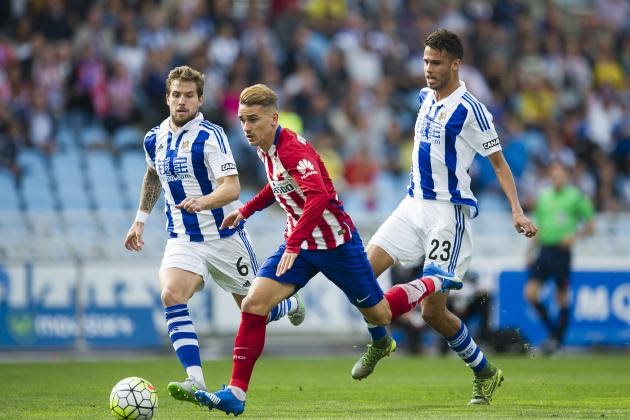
<point>104,180</point>
<point>133,167</point>
<point>127,138</point>
<point>9,195</point>
<point>94,136</point>
<point>65,138</point>
<point>68,176</point>
<point>35,185</point>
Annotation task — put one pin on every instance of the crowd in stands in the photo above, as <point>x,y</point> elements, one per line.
<point>553,73</point>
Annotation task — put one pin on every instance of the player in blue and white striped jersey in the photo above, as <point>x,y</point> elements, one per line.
<point>189,159</point>
<point>434,219</point>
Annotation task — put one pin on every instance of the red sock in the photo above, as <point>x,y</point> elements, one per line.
<point>248,345</point>
<point>404,297</point>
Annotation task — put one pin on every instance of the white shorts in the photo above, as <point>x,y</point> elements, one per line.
<point>230,261</point>
<point>436,229</point>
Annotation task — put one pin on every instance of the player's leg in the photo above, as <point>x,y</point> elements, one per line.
<point>562,297</point>
<point>538,272</point>
<point>382,251</point>
<point>399,238</point>
<point>449,244</point>
<point>265,293</point>
<point>561,275</point>
<point>486,376</point>
<point>397,301</point>
<point>178,286</point>
<point>233,265</point>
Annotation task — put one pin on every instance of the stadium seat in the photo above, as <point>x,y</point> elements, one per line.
<point>104,182</point>
<point>94,136</point>
<point>35,184</point>
<point>10,194</point>
<point>68,176</point>
<point>133,168</point>
<point>127,138</point>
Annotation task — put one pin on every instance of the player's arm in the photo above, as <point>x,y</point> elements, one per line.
<point>150,190</point>
<point>228,190</point>
<point>506,180</point>
<point>586,213</point>
<point>261,201</point>
<point>149,194</point>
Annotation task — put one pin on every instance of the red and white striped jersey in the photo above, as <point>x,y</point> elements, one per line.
<point>299,182</point>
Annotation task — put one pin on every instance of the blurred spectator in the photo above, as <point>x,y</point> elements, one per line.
<point>41,125</point>
<point>555,74</point>
<point>10,142</point>
<point>53,21</point>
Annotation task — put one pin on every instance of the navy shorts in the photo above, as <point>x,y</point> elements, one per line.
<point>552,262</point>
<point>346,266</point>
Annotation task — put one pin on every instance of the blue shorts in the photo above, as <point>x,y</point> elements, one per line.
<point>346,266</point>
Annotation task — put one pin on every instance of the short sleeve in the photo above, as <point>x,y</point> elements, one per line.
<point>218,155</point>
<point>149,144</point>
<point>480,132</point>
<point>585,208</point>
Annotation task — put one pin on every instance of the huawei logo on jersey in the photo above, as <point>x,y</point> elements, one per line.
<point>306,168</point>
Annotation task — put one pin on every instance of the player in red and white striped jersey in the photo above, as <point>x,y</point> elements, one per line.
<point>319,237</point>
<point>295,173</point>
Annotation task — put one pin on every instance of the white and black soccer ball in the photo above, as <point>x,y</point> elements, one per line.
<point>133,398</point>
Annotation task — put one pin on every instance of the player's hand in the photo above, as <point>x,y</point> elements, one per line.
<point>568,241</point>
<point>192,205</point>
<point>525,226</point>
<point>286,262</point>
<point>133,241</point>
<point>232,220</point>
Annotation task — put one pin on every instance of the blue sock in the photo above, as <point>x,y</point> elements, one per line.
<point>376,331</point>
<point>281,309</point>
<point>183,336</point>
<point>466,348</point>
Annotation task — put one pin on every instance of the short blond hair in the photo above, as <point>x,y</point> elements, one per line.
<point>259,95</point>
<point>185,74</point>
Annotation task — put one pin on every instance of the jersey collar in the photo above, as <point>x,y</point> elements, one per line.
<point>195,121</point>
<point>275,141</point>
<point>453,97</point>
<point>277,136</point>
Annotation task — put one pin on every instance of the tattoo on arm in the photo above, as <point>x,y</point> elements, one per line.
<point>151,189</point>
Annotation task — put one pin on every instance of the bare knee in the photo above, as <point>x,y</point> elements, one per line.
<point>253,305</point>
<point>171,296</point>
<point>531,291</point>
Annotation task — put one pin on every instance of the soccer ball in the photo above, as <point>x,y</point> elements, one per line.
<point>133,398</point>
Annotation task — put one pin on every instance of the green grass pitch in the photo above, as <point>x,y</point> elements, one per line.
<point>585,386</point>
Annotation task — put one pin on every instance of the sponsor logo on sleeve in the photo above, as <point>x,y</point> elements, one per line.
<point>490,144</point>
<point>306,168</point>
<point>228,166</point>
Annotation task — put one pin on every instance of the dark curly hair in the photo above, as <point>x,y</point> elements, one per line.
<point>445,40</point>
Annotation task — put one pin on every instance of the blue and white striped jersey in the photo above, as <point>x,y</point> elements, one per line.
<point>189,162</point>
<point>448,134</point>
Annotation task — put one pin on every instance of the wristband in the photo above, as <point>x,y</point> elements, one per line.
<point>142,216</point>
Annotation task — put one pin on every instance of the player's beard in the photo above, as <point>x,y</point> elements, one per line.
<point>440,82</point>
<point>179,122</point>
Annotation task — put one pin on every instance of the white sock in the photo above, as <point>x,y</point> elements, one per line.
<point>238,392</point>
<point>294,304</point>
<point>195,373</point>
